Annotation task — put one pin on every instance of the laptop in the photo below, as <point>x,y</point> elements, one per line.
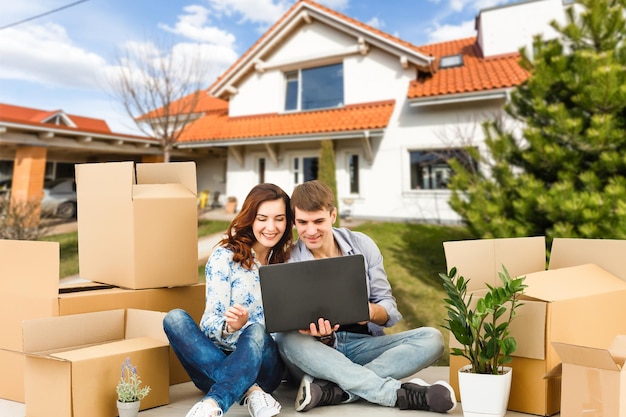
<point>298,293</point>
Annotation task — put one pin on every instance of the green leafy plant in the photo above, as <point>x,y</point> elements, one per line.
<point>483,328</point>
<point>128,388</point>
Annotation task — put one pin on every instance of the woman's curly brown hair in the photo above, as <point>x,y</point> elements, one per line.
<point>240,236</point>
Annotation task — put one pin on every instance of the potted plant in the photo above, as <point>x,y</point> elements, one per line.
<point>129,391</point>
<point>482,326</point>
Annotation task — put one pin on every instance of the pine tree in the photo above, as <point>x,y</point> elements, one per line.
<point>565,175</point>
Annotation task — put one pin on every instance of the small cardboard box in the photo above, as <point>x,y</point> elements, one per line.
<point>30,290</point>
<point>565,305</point>
<point>138,225</point>
<point>594,379</point>
<point>73,363</point>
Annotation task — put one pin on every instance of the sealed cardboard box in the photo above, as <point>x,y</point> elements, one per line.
<point>73,363</point>
<point>137,224</point>
<point>594,379</point>
<point>31,290</point>
<point>565,305</point>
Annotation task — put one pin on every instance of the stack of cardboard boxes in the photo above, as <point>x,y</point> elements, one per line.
<point>572,313</point>
<point>62,348</point>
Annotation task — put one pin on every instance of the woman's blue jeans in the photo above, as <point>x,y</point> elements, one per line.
<point>224,376</point>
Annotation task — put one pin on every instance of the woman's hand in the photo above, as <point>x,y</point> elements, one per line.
<point>236,318</point>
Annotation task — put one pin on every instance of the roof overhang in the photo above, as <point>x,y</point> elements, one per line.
<point>354,134</point>
<point>19,134</point>
<point>501,94</point>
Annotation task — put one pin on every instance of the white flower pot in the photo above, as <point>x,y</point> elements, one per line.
<point>128,409</point>
<point>484,395</point>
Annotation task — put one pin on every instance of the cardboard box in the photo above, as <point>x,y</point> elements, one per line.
<point>138,230</point>
<point>31,290</point>
<point>73,363</point>
<point>564,305</point>
<point>608,253</point>
<point>594,379</point>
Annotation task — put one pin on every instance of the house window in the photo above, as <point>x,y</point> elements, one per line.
<point>305,169</point>
<point>430,169</point>
<point>261,169</point>
<point>451,61</point>
<point>353,171</point>
<point>314,88</point>
<point>6,170</point>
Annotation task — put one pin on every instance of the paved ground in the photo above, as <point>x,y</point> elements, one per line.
<point>184,396</point>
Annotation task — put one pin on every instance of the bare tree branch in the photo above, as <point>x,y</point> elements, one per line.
<point>160,90</point>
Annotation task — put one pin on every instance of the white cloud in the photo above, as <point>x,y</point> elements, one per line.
<point>335,4</point>
<point>442,33</point>
<point>193,25</point>
<point>265,12</point>
<point>45,55</point>
<point>376,22</point>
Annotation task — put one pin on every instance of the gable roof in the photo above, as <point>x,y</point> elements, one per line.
<point>478,78</point>
<point>301,13</point>
<point>38,116</point>
<point>218,128</point>
<point>205,104</point>
<point>476,74</point>
<point>38,120</point>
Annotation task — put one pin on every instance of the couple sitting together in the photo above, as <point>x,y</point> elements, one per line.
<point>232,358</point>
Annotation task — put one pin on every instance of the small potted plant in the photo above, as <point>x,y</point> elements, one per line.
<point>482,327</point>
<point>129,390</point>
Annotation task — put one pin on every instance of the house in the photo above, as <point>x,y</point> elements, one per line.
<point>395,112</point>
<point>38,144</point>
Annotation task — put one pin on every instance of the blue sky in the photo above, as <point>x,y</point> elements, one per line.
<point>62,60</point>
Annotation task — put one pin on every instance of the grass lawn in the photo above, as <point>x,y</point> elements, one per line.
<point>413,256</point>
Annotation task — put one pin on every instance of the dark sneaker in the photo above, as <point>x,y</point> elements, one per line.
<point>316,393</point>
<point>418,395</point>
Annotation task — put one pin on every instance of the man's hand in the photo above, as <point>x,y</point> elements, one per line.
<point>378,315</point>
<point>322,329</point>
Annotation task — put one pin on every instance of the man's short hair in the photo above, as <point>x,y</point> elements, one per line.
<point>313,196</point>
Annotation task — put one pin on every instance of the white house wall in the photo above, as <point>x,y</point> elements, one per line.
<point>264,92</point>
<point>505,29</point>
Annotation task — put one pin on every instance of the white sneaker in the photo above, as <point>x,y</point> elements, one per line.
<point>262,404</point>
<point>205,409</point>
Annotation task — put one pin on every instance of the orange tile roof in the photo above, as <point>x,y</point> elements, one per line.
<point>34,117</point>
<point>206,103</point>
<point>30,115</point>
<point>218,126</point>
<point>476,74</point>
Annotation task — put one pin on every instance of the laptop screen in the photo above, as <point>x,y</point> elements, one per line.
<point>298,293</point>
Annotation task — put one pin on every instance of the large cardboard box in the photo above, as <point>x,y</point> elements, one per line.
<point>560,305</point>
<point>594,379</point>
<point>73,363</point>
<point>29,289</point>
<point>138,225</point>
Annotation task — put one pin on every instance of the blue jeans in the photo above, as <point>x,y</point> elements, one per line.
<point>225,376</point>
<point>369,367</point>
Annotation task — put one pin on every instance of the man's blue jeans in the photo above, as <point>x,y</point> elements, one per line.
<point>224,376</point>
<point>369,367</point>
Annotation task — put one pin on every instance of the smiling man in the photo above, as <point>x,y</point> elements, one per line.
<point>342,363</point>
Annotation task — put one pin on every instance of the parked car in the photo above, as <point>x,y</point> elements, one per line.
<point>59,198</point>
<point>5,188</point>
